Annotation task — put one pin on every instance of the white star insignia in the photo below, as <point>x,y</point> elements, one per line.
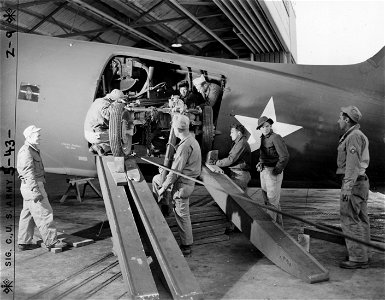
<point>283,129</point>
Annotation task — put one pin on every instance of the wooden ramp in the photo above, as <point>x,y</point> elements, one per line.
<point>180,280</point>
<point>267,236</point>
<point>118,193</point>
<point>132,258</point>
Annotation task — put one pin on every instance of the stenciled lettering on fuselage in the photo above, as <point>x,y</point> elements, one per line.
<point>250,124</point>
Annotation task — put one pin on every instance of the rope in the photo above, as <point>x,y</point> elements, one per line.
<point>322,227</point>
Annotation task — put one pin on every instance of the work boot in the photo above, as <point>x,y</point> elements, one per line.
<point>58,244</point>
<point>23,247</point>
<point>186,249</point>
<point>348,264</point>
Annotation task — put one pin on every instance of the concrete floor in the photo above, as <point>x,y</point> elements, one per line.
<point>232,269</point>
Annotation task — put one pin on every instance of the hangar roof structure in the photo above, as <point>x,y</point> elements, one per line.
<point>247,29</point>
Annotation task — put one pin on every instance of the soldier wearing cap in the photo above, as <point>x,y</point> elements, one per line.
<point>273,159</point>
<point>352,161</point>
<point>36,207</point>
<point>239,157</point>
<point>96,123</point>
<point>188,161</point>
<point>211,92</point>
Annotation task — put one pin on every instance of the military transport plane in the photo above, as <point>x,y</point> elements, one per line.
<point>51,82</point>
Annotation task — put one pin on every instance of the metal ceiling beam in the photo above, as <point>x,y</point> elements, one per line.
<point>60,24</point>
<point>120,24</point>
<point>196,3</point>
<point>204,27</point>
<point>11,4</point>
<point>238,12</point>
<point>130,5</point>
<point>256,25</point>
<point>67,35</point>
<point>9,26</point>
<point>148,11</point>
<point>47,17</point>
<point>133,25</point>
<point>250,42</point>
<point>261,18</point>
<point>210,40</point>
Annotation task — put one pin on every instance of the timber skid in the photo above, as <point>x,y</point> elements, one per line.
<point>131,208</point>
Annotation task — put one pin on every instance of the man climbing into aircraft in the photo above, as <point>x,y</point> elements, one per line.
<point>352,161</point>
<point>239,157</point>
<point>96,123</point>
<point>36,207</point>
<point>273,159</point>
<point>211,92</point>
<point>187,160</point>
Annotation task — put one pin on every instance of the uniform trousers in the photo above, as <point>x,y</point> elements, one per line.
<point>240,177</point>
<point>39,213</point>
<point>271,184</point>
<point>101,138</point>
<point>181,193</point>
<point>355,220</point>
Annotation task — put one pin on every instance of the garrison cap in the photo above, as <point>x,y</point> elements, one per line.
<point>198,81</point>
<point>115,95</point>
<point>353,112</point>
<point>181,122</point>
<point>263,120</point>
<point>29,130</point>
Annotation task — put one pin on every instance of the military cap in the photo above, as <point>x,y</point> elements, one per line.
<point>353,112</point>
<point>29,130</point>
<point>263,120</point>
<point>181,122</point>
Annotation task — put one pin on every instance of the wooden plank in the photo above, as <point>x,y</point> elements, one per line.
<point>267,236</point>
<point>179,278</point>
<point>197,219</point>
<point>119,178</point>
<point>132,258</point>
<point>74,241</point>
<point>323,235</point>
<point>132,172</point>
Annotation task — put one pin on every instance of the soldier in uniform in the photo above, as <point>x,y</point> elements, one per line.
<point>239,157</point>
<point>36,207</point>
<point>187,160</point>
<point>273,159</point>
<point>96,123</point>
<point>352,161</point>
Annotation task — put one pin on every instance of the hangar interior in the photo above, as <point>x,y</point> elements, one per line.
<point>225,264</point>
<point>252,30</point>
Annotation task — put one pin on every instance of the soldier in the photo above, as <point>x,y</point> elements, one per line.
<point>187,160</point>
<point>239,157</point>
<point>192,99</point>
<point>352,161</point>
<point>272,160</point>
<point>36,207</point>
<point>96,123</point>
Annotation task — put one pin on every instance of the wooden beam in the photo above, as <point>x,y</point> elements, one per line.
<point>263,233</point>
<point>127,243</point>
<point>177,273</point>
